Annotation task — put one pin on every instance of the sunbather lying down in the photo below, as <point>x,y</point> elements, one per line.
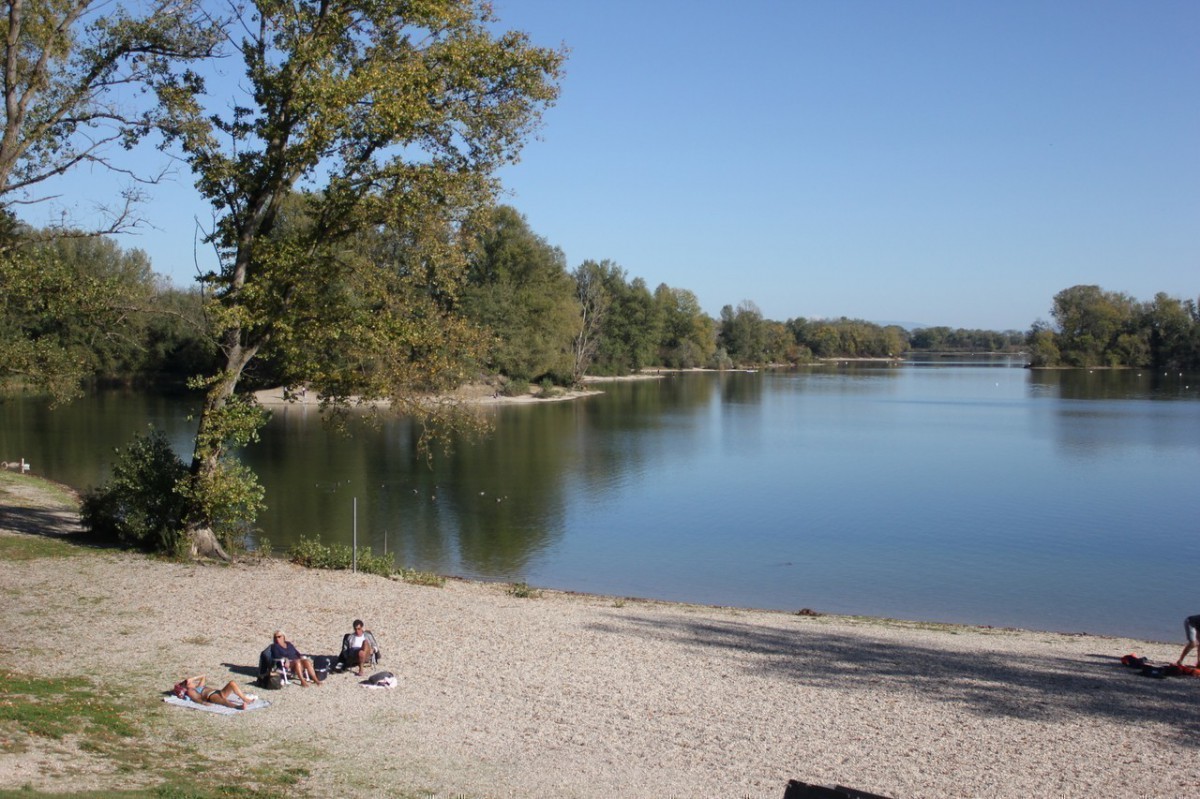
<point>193,688</point>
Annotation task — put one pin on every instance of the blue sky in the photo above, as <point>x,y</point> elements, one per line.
<point>950,163</point>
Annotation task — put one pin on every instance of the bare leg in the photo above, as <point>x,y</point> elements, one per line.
<point>312,673</point>
<point>1183,654</point>
<point>364,656</point>
<point>231,688</point>
<point>298,670</point>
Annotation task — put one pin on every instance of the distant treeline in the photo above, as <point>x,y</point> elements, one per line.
<point>1094,327</point>
<point>545,322</point>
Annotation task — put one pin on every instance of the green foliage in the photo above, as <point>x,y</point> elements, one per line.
<point>522,590</point>
<point>422,578</point>
<point>226,498</point>
<point>1104,328</point>
<point>515,388</point>
<point>383,565</point>
<point>140,505</point>
<point>519,290</point>
<point>64,61</point>
<point>312,554</point>
<point>341,181</point>
<point>1043,348</point>
<point>688,336</point>
<point>849,338</point>
<point>74,308</point>
<point>945,339</point>
<point>630,331</point>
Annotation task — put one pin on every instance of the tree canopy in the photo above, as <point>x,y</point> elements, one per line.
<point>360,119</point>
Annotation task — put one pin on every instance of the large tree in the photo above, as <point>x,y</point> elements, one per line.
<point>519,290</point>
<point>68,69</point>
<point>369,116</point>
<point>688,336</point>
<point>1094,327</point>
<point>69,72</point>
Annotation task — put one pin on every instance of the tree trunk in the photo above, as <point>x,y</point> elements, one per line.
<point>211,443</point>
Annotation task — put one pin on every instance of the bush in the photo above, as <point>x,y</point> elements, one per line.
<point>140,506</point>
<point>312,554</point>
<point>422,578</point>
<point>515,388</point>
<point>227,499</point>
<point>382,565</point>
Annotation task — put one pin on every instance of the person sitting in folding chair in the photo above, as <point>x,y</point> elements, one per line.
<point>359,648</point>
<point>285,653</point>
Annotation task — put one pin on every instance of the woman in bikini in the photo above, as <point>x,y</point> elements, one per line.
<point>193,688</point>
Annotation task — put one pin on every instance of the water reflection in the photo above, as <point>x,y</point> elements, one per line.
<point>989,495</point>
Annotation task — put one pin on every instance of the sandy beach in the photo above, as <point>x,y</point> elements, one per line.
<point>567,695</point>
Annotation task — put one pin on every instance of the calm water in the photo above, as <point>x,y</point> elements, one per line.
<point>981,493</point>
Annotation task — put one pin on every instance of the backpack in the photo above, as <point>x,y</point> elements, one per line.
<point>268,676</point>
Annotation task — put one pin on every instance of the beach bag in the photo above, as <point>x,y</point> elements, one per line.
<point>272,680</point>
<point>322,665</point>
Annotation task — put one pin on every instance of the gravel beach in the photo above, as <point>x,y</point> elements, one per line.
<point>567,695</point>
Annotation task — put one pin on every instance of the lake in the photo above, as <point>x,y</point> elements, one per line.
<point>968,491</point>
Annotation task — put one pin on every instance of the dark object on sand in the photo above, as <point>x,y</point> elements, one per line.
<point>802,790</point>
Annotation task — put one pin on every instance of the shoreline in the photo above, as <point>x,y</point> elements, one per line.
<point>585,696</point>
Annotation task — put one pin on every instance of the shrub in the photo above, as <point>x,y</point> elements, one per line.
<point>312,554</point>
<point>422,578</point>
<point>382,565</point>
<point>228,499</point>
<point>140,505</point>
<point>515,388</point>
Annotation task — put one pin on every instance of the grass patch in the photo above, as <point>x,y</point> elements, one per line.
<point>51,708</point>
<point>32,547</point>
<point>11,484</point>
<point>41,712</point>
<point>522,590</point>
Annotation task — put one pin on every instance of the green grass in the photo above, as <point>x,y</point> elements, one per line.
<point>35,711</point>
<point>53,490</point>
<point>31,547</point>
<point>44,707</point>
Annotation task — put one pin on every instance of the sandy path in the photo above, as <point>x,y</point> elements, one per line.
<point>582,696</point>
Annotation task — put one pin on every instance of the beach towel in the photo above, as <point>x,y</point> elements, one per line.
<point>1149,669</point>
<point>257,704</point>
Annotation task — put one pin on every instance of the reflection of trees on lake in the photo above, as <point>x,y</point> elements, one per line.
<point>1084,426</point>
<point>507,487</point>
<point>1113,384</point>
<point>622,430</point>
<point>75,443</point>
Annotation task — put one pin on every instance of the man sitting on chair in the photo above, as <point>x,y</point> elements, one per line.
<point>359,648</point>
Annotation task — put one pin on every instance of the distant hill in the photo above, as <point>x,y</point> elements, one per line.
<point>909,326</point>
